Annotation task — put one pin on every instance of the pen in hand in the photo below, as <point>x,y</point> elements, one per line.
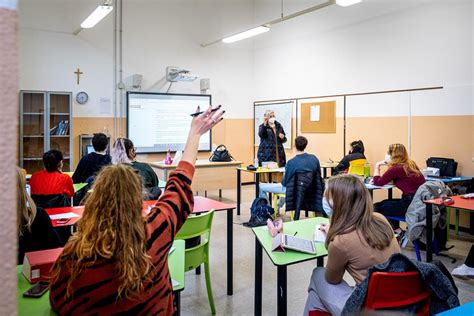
<point>200,112</point>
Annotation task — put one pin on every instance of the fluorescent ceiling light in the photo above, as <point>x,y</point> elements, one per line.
<point>246,34</point>
<point>346,3</point>
<point>99,13</point>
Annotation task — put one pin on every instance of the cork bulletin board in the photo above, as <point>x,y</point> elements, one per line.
<point>318,117</point>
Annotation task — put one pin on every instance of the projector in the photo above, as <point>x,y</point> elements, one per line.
<point>174,74</point>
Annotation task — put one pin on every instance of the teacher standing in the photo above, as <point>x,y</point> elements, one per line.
<point>272,137</point>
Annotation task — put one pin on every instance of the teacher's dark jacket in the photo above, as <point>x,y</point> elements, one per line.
<point>270,143</point>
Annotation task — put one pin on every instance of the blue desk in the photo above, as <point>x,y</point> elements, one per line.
<point>449,180</point>
<point>466,309</point>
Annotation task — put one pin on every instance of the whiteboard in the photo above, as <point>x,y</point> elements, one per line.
<point>283,114</point>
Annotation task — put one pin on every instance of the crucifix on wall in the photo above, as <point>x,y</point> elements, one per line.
<point>78,73</point>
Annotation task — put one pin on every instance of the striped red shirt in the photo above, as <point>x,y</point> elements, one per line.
<point>49,183</point>
<point>95,289</point>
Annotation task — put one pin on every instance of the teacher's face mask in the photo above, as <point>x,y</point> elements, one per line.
<point>272,120</point>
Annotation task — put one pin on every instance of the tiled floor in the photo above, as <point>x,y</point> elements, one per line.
<point>194,297</point>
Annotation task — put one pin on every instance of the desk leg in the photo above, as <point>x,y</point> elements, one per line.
<point>177,296</point>
<point>270,196</point>
<point>325,173</point>
<point>257,185</point>
<point>390,194</point>
<point>371,194</point>
<point>429,232</point>
<point>258,279</point>
<point>220,193</point>
<point>239,188</point>
<point>230,252</point>
<point>281,288</point>
<point>320,262</point>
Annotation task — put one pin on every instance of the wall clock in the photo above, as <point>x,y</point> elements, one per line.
<point>82,97</point>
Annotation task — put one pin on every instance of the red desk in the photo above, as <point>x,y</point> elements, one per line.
<point>201,205</point>
<point>459,203</point>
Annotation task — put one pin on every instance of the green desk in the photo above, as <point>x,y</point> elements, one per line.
<point>78,186</point>
<point>40,306</point>
<point>27,305</point>
<point>176,266</point>
<point>263,239</point>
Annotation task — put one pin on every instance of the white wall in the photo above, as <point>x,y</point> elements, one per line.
<point>375,45</point>
<point>156,34</point>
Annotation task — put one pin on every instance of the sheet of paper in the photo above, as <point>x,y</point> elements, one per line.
<point>105,106</point>
<point>174,282</point>
<point>315,111</point>
<point>319,235</point>
<point>63,215</point>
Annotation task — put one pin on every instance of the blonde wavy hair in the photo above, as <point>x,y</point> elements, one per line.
<point>399,156</point>
<point>26,208</point>
<point>111,227</point>
<point>353,210</point>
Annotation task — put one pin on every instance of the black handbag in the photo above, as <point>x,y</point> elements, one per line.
<point>447,166</point>
<point>221,154</point>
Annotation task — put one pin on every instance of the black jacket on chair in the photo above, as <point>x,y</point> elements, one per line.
<point>270,143</point>
<point>305,192</point>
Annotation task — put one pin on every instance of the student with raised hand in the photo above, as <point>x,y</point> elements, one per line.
<point>117,262</point>
<point>405,175</point>
<point>52,181</point>
<point>35,230</point>
<point>124,151</point>
<point>357,239</point>
<point>356,152</point>
<point>90,164</point>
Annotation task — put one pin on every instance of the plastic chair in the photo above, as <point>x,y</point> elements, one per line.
<point>275,198</point>
<point>199,226</point>
<point>318,313</point>
<point>357,167</point>
<point>392,290</point>
<point>456,227</point>
<point>415,242</point>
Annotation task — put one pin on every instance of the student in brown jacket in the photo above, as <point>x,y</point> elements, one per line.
<point>357,239</point>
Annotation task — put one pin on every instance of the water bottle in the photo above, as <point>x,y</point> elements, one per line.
<point>255,162</point>
<point>366,170</point>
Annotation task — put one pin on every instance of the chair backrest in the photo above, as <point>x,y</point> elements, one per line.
<point>51,200</point>
<point>391,290</point>
<point>195,227</point>
<point>357,166</point>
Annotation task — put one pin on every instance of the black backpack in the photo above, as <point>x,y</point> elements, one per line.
<point>221,154</point>
<point>260,211</point>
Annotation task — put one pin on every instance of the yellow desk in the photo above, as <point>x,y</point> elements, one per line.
<point>328,165</point>
<point>209,175</point>
<point>257,174</point>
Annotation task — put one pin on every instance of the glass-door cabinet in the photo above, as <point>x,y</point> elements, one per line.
<point>45,123</point>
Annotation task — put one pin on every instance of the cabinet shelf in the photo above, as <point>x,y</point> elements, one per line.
<point>40,112</point>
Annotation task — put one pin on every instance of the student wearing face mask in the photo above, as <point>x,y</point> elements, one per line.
<point>405,175</point>
<point>272,137</point>
<point>357,239</point>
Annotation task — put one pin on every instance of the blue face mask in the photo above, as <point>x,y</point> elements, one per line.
<point>327,207</point>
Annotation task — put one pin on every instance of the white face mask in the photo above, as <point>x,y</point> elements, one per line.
<point>272,121</point>
<point>388,158</point>
<point>327,207</point>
